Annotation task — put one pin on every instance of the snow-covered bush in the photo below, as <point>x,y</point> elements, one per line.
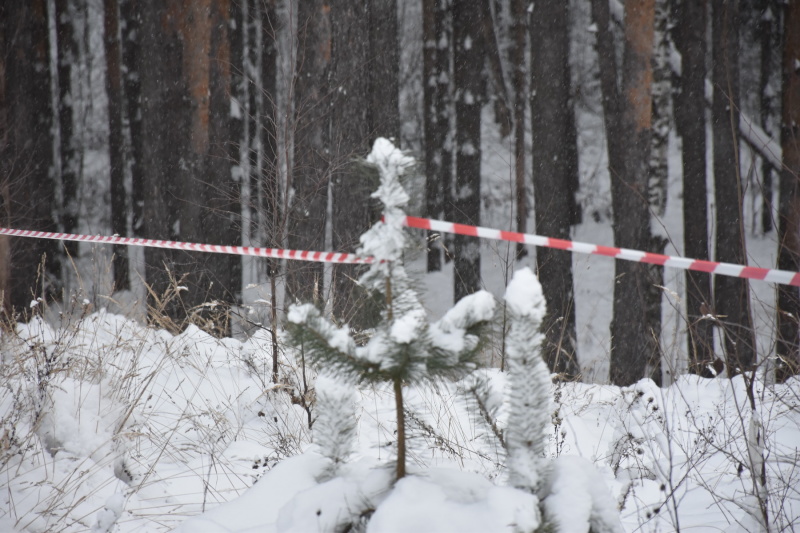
<point>404,348</point>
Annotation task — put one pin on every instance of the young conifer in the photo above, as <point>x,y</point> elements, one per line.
<point>404,348</point>
<point>529,383</point>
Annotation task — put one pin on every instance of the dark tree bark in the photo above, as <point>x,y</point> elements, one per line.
<point>767,30</point>
<point>310,173</point>
<point>383,71</point>
<point>222,219</point>
<point>164,128</point>
<point>5,171</point>
<point>789,227</point>
<point>131,17</point>
<point>350,188</point>
<point>551,116</point>
<point>437,104</point>
<point>469,55</point>
<point>27,152</point>
<point>502,112</point>
<point>66,56</point>
<point>253,127</point>
<point>690,109</point>
<point>116,148</point>
<point>731,295</point>
<point>519,33</point>
<point>270,182</point>
<point>628,112</point>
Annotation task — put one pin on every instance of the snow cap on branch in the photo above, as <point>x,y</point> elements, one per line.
<point>385,240</point>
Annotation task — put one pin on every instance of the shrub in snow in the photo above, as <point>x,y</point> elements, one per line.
<point>404,348</point>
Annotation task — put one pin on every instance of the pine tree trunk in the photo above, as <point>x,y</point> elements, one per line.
<point>766,30</point>
<point>550,118</point>
<point>271,177</point>
<point>383,72</point>
<point>519,12</point>
<point>5,170</point>
<point>731,295</point>
<point>163,134</point>
<point>28,152</point>
<point>66,57</point>
<point>495,66</point>
<point>350,190</point>
<point>437,80</point>
<point>469,54</point>
<point>789,227</point>
<point>690,112</point>
<point>116,149</point>
<point>628,114</point>
<point>252,53</point>
<point>310,172</point>
<point>131,16</point>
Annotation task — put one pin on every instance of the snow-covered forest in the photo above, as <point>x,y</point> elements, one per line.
<point>460,385</point>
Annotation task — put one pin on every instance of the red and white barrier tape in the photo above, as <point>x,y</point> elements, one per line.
<point>726,269</point>
<point>320,257</point>
<point>712,267</point>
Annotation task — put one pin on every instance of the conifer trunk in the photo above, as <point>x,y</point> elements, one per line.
<point>28,152</point>
<point>789,227</point>
<point>116,149</point>
<point>66,57</point>
<point>690,112</point>
<point>551,116</point>
<point>731,295</point>
<point>436,86</point>
<point>401,429</point>
<point>469,55</point>
<point>310,173</point>
<point>627,111</point>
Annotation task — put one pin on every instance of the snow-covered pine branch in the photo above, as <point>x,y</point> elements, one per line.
<point>529,383</point>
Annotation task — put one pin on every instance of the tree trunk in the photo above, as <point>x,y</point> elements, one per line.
<point>28,152</point>
<point>5,171</point>
<point>163,132</point>
<point>731,295</point>
<point>550,118</point>
<point>253,126</point>
<point>767,28</point>
<point>116,149</point>
<point>383,71</point>
<point>350,188</point>
<point>131,20</point>
<point>469,55</point>
<point>495,66</point>
<point>310,173</point>
<point>271,178</point>
<point>66,57</point>
<point>222,216</point>
<point>789,227</point>
<point>628,114</point>
<point>437,103</point>
<point>690,40</point>
<point>519,13</point>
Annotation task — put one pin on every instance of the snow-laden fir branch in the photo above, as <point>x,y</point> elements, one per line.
<point>529,383</point>
<point>336,423</point>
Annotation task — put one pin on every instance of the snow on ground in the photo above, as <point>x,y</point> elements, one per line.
<point>111,426</point>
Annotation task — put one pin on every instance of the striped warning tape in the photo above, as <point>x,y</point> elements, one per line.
<point>712,267</point>
<point>301,255</point>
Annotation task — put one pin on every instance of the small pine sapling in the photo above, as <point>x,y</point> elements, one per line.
<point>404,348</point>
